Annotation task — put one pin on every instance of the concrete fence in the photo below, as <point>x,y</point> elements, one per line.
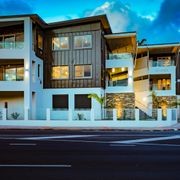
<point>87,118</point>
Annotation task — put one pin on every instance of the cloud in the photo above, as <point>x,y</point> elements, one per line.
<point>121,17</point>
<point>167,24</point>
<point>160,28</point>
<point>11,7</point>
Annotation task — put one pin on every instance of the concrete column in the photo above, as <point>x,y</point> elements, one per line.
<point>159,114</point>
<point>48,114</point>
<point>92,115</point>
<point>169,114</point>
<point>70,114</point>
<point>4,114</point>
<point>27,65</point>
<point>136,114</point>
<point>114,114</point>
<point>26,114</point>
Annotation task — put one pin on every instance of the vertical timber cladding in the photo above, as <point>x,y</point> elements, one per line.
<point>72,56</point>
<point>120,100</point>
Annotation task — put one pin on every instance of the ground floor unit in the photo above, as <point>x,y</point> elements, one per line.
<point>73,108</point>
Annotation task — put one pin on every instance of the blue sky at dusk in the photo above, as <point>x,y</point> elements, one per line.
<point>156,20</point>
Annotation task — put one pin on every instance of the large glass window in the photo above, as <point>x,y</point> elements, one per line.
<point>10,74</point>
<point>40,41</point>
<point>60,72</point>
<point>83,71</point>
<point>160,82</point>
<point>117,76</point>
<point>84,41</point>
<point>14,73</point>
<point>20,74</point>
<point>60,43</point>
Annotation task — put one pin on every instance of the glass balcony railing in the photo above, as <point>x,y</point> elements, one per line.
<point>11,45</point>
<point>119,56</point>
<point>159,87</point>
<point>161,63</point>
<point>123,82</point>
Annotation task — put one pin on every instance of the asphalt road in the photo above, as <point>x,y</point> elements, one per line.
<point>47,154</point>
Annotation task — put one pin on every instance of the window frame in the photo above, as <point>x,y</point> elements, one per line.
<point>82,36</point>
<point>89,77</point>
<point>61,49</point>
<point>40,41</point>
<point>60,67</point>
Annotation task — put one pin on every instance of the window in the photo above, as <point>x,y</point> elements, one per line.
<point>60,72</point>
<point>60,101</point>
<point>10,74</point>
<point>117,76</point>
<point>38,70</point>
<point>60,43</point>
<point>14,73</point>
<point>82,101</point>
<point>83,71</point>
<point>20,74</point>
<point>1,42</point>
<point>40,41</point>
<point>84,41</point>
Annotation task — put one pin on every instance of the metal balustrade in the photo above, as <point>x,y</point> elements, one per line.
<point>119,56</point>
<point>161,63</point>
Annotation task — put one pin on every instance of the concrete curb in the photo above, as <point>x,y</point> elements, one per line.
<point>171,128</point>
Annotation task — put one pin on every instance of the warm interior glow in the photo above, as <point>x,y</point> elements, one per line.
<point>60,72</point>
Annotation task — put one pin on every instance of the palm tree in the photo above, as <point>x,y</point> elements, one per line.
<point>99,99</point>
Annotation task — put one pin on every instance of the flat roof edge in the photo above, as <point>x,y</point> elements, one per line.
<point>159,45</point>
<point>120,35</point>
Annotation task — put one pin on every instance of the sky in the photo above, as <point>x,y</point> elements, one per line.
<point>158,21</point>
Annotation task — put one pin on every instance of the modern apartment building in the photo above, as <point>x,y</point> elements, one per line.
<point>48,70</point>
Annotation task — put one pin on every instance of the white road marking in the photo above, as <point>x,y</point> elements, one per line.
<point>55,137</point>
<point>37,165</point>
<point>147,139</point>
<point>123,145</point>
<point>22,144</point>
<point>153,144</point>
<point>81,141</point>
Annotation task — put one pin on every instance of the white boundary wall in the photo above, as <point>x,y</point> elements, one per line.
<point>92,123</point>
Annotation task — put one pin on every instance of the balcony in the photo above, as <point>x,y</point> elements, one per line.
<point>162,67</point>
<point>119,60</point>
<point>161,63</point>
<point>116,83</point>
<point>11,74</point>
<point>162,84</point>
<point>119,80</point>
<point>11,45</point>
<point>119,56</point>
<point>159,87</point>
